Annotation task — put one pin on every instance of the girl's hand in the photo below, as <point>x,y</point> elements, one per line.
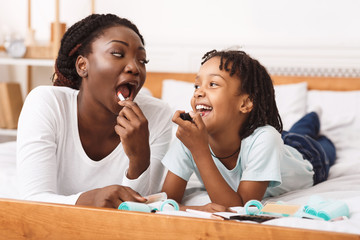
<point>110,196</point>
<point>210,207</point>
<point>192,134</point>
<point>132,127</point>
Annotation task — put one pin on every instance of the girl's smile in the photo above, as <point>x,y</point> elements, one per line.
<point>203,109</point>
<point>217,97</point>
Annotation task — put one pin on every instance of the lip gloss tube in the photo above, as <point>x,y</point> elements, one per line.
<point>120,96</point>
<point>185,116</point>
<point>156,197</point>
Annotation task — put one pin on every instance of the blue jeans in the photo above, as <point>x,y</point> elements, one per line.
<point>319,150</point>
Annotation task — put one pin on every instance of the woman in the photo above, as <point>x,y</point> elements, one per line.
<point>78,144</point>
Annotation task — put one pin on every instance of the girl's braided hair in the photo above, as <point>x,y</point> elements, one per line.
<point>77,41</point>
<point>256,82</point>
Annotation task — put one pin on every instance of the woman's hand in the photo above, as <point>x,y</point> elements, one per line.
<point>110,196</point>
<point>132,127</point>
<point>192,134</point>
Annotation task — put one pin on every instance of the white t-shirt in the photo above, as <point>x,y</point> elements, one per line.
<point>52,165</point>
<point>263,157</point>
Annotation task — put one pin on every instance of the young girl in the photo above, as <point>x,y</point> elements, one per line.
<point>233,143</point>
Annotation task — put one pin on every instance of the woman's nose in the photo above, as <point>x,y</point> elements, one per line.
<point>132,67</point>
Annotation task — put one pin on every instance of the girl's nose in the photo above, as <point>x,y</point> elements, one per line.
<point>199,93</point>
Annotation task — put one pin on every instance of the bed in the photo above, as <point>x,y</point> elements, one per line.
<point>339,99</point>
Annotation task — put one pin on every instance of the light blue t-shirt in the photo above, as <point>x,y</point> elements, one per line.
<point>263,157</point>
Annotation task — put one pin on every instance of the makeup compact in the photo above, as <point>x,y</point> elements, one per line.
<point>185,116</point>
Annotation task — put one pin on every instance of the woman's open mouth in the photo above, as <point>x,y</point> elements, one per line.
<point>127,90</point>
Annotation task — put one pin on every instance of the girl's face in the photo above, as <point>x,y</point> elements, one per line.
<point>116,63</point>
<point>217,97</point>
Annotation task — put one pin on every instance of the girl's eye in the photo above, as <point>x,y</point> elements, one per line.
<point>117,54</point>
<point>212,84</point>
<point>196,86</point>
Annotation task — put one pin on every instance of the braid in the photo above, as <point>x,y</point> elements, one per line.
<point>256,82</point>
<point>77,41</point>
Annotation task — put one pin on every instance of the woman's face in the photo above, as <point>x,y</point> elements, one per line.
<point>116,63</point>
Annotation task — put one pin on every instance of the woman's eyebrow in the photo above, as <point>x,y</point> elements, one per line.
<point>118,41</point>
<point>124,43</point>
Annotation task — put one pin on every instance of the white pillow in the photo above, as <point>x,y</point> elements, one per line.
<point>291,102</point>
<point>290,99</point>
<point>177,94</point>
<point>340,119</point>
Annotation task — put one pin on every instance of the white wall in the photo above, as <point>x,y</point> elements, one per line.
<point>284,35</point>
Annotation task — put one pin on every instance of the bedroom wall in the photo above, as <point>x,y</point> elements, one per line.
<point>318,37</point>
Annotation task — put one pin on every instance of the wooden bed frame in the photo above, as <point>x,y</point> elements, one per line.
<point>33,220</point>
<point>154,81</point>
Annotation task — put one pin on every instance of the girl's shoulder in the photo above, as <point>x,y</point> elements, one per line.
<point>264,135</point>
<point>266,130</point>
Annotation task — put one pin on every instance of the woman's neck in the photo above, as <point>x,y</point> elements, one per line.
<point>96,129</point>
<point>94,118</point>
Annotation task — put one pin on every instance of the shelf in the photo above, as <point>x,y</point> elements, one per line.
<point>27,62</point>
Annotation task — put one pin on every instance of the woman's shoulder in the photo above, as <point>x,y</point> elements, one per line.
<point>144,97</point>
<point>45,90</point>
<point>50,96</point>
<point>152,106</point>
<point>157,112</point>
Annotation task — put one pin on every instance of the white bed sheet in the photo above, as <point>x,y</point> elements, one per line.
<point>343,184</point>
<point>8,182</point>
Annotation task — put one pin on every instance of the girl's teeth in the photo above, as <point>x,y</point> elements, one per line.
<point>200,107</point>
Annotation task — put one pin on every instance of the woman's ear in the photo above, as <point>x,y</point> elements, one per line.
<point>82,66</point>
<point>246,104</point>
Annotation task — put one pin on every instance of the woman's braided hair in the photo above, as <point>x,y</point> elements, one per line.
<point>256,82</point>
<point>77,41</point>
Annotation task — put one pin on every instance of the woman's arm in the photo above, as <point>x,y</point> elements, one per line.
<point>38,167</point>
<point>132,127</point>
<point>110,196</point>
<point>158,118</point>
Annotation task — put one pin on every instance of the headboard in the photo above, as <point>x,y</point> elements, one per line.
<point>154,81</point>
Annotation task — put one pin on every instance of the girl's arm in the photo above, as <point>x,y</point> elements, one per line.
<point>218,189</point>
<point>174,187</point>
<point>195,138</point>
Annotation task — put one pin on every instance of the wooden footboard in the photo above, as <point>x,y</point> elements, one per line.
<point>32,220</point>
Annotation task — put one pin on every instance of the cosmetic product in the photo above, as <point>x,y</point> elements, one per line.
<point>156,197</point>
<point>185,116</point>
<point>120,96</point>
